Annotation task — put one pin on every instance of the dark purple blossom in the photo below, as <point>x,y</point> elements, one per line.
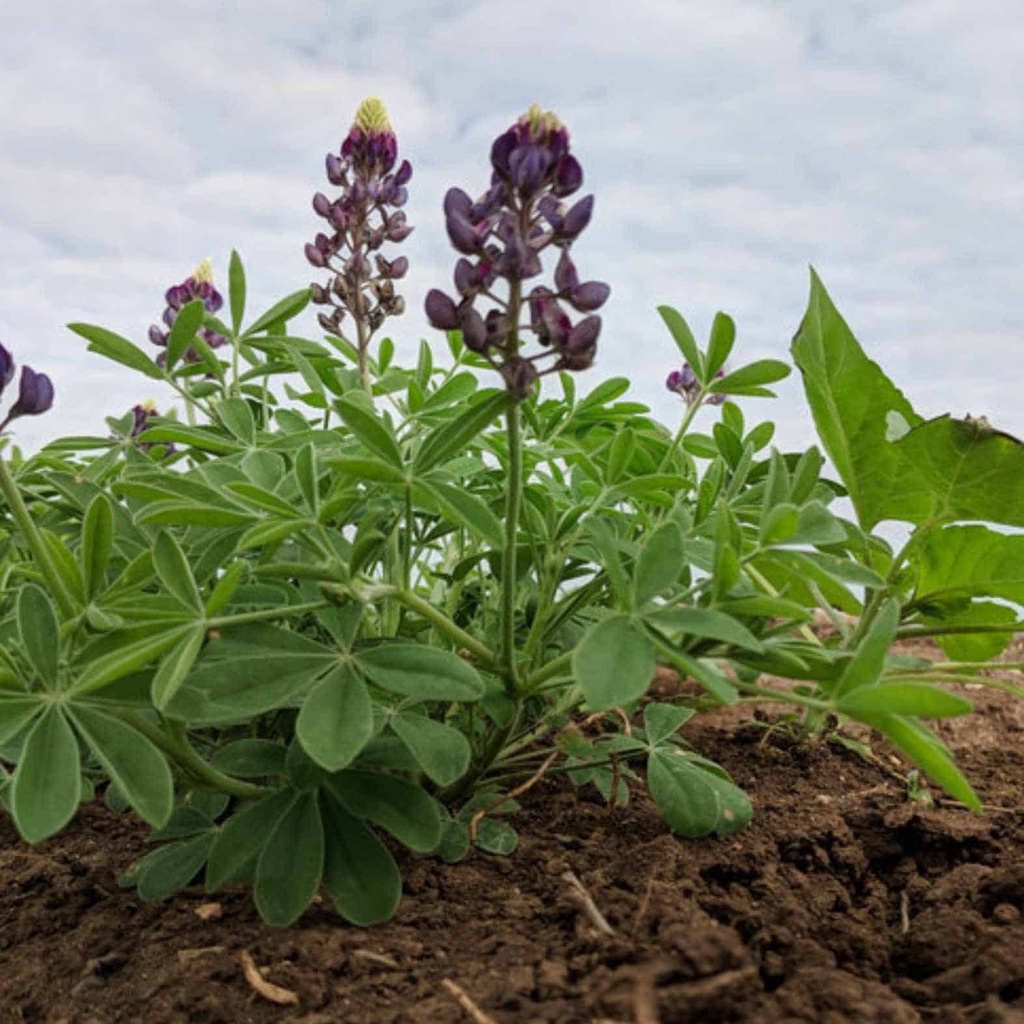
<point>501,237</point>
<point>685,384</point>
<point>198,286</point>
<point>35,390</point>
<point>359,221</point>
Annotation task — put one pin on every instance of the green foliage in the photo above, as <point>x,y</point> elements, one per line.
<point>295,638</point>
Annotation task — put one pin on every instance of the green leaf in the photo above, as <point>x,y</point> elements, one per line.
<point>723,335</point>
<point>173,569</point>
<point>241,839</point>
<point>706,623</point>
<point>613,663</point>
<point>16,712</point>
<point>250,758</point>
<point>620,454</point>
<point>664,720</point>
<point>64,562</point>
<point>918,699</point>
<point>440,750</point>
<point>367,469</point>
<point>980,646</point>
<point>97,544</point>
<point>37,628</point>
<point>359,871</point>
<point>866,666</point>
<point>125,659</point>
<point>402,808</point>
<point>118,349</point>
<point>131,762</point>
<point>453,436</point>
<point>164,872</point>
<point>462,507</point>
<point>970,560</point>
<point>289,869</point>
<point>236,415</point>
<point>205,439</point>
<point>336,720</point>
<point>750,379</point>
<point>925,750</point>
<point>47,785</point>
<point>287,309</point>
<point>420,672</point>
<point>307,477</point>
<point>176,665</point>
<point>661,560</point>
<point>497,837</point>
<point>695,802</point>
<point>236,290</point>
<point>262,499</point>
<point>183,330</point>
<point>684,339</point>
<point>371,431</point>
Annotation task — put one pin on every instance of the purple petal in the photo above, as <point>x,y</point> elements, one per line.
<point>577,218</point>
<point>35,394</point>
<point>441,311</point>
<point>589,296</point>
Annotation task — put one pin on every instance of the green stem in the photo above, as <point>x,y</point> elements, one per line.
<point>222,621</point>
<point>363,340</point>
<point>514,492</point>
<point>35,541</point>
<point>174,743</point>
<point>481,652</point>
<point>913,632</point>
<point>556,667</point>
<point>691,411</point>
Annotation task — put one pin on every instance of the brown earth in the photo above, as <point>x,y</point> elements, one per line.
<point>844,903</point>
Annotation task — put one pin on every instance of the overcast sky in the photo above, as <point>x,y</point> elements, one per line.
<point>729,145</point>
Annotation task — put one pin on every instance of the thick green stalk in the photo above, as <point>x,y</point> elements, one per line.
<point>514,496</point>
<point>481,652</point>
<point>35,541</point>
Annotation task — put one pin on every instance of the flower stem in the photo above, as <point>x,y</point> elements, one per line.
<point>514,496</point>
<point>35,541</point>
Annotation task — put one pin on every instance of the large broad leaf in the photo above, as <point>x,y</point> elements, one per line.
<point>917,699</point>
<point>660,562</point>
<point>614,663</point>
<point>289,869</point>
<point>359,871</point>
<point>119,349</point>
<point>131,761</point>
<point>162,873</point>
<point>424,673</point>
<point>893,463</point>
<point>336,720</point>
<point>402,808</point>
<point>48,783</point>
<point>970,560</point>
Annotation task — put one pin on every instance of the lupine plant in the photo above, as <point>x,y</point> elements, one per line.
<point>353,602</point>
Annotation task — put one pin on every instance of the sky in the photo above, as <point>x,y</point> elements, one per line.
<point>729,146</point>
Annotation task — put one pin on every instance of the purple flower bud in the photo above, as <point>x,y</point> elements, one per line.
<point>555,325</point>
<point>566,278</point>
<point>520,377</point>
<point>462,234</point>
<point>339,217</point>
<point>404,173</point>
<point>335,169</point>
<point>321,205</point>
<point>498,327</point>
<point>465,277</point>
<point>552,211</point>
<point>474,330</point>
<point>156,336</point>
<point>441,311</point>
<point>457,202</point>
<point>397,229</point>
<point>35,394</point>
<point>399,197</point>
<point>501,151</point>
<point>589,296</point>
<point>528,165</point>
<point>6,368</point>
<point>315,256</point>
<point>577,218</point>
<point>568,176</point>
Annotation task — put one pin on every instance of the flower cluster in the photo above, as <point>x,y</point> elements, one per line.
<point>141,415</point>
<point>685,384</point>
<point>360,220</point>
<point>35,390</point>
<point>501,236</point>
<point>198,286</point>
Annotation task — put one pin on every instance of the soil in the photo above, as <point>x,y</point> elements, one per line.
<point>845,902</point>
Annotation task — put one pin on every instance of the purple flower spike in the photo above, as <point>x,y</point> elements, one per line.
<point>361,220</point>
<point>685,384</point>
<point>198,286</point>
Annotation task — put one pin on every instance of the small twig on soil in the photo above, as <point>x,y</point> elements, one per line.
<point>474,822</point>
<point>645,902</point>
<point>645,1002</point>
<point>268,990</point>
<point>185,955</point>
<point>478,1015</point>
<point>904,912</point>
<point>377,958</point>
<point>209,911</point>
<point>585,902</point>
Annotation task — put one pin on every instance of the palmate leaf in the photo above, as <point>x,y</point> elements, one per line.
<point>400,807</point>
<point>37,628</point>
<point>162,873</point>
<point>241,839</point>
<point>420,672</point>
<point>289,868</point>
<point>359,872</point>
<point>695,801</point>
<point>614,663</point>
<point>336,720</point>
<point>442,751</point>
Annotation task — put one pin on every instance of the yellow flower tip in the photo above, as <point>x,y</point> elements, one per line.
<point>372,116</point>
<point>540,121</point>
<point>148,406</point>
<point>203,274</point>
